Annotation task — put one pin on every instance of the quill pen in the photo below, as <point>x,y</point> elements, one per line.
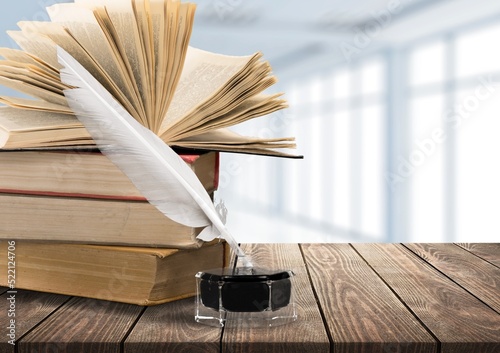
<point>154,168</point>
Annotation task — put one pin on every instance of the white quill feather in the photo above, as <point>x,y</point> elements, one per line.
<point>154,168</point>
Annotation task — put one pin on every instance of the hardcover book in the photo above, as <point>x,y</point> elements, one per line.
<point>84,198</point>
<point>142,276</point>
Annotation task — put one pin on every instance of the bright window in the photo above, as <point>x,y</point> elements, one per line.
<point>478,52</point>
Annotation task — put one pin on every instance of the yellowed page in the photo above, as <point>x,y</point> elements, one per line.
<point>60,36</point>
<point>167,56</point>
<point>227,140</point>
<point>13,120</point>
<point>38,45</point>
<point>34,68</point>
<point>33,104</point>
<point>4,73</point>
<point>45,74</point>
<point>119,52</point>
<point>56,33</point>
<point>83,26</point>
<point>226,136</point>
<point>12,70</point>
<point>146,37</point>
<point>159,26</point>
<point>251,108</point>
<point>26,58</point>
<point>157,11</point>
<point>34,91</point>
<point>245,83</point>
<point>122,16</point>
<point>224,102</point>
<point>180,25</point>
<point>203,75</point>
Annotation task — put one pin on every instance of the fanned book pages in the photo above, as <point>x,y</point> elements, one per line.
<point>139,51</point>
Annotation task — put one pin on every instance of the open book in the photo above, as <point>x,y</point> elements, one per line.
<point>138,50</point>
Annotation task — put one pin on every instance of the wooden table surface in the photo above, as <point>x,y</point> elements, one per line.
<point>374,298</point>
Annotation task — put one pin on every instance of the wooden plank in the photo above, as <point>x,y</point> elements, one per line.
<point>461,322</point>
<point>27,308</point>
<point>82,325</point>
<point>489,252</point>
<point>3,289</point>
<point>171,328</point>
<point>307,334</point>
<point>474,274</point>
<point>362,313</point>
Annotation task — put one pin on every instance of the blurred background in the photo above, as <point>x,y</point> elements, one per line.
<point>395,105</point>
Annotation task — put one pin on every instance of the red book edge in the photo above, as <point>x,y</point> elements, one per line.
<point>188,158</point>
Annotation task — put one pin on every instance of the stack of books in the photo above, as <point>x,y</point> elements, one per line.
<point>79,224</point>
<point>82,197</point>
<point>82,228</point>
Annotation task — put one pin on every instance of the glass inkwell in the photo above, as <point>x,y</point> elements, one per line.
<point>246,296</point>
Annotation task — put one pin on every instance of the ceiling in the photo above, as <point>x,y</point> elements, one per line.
<point>300,36</point>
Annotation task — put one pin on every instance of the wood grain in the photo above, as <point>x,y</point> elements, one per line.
<point>361,312</point>
<point>82,325</point>
<point>367,294</point>
<point>29,309</point>
<point>171,328</point>
<point>307,334</point>
<point>489,252</point>
<point>461,322</point>
<point>474,274</point>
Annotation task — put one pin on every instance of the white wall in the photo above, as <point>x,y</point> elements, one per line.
<point>367,82</point>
